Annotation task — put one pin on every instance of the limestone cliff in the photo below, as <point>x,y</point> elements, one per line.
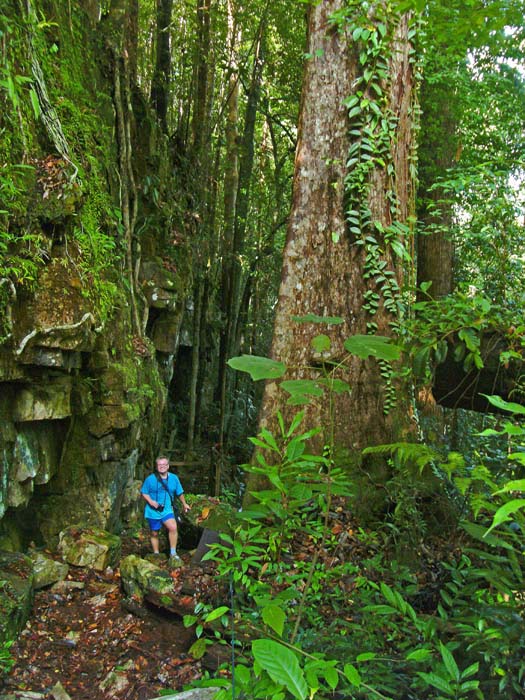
<point>94,271</point>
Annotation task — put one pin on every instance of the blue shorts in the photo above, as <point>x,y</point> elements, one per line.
<point>155,523</point>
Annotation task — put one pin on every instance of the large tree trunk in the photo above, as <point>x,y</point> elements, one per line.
<point>327,266</point>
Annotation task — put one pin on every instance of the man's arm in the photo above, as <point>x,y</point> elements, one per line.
<point>184,504</point>
<point>145,495</point>
<point>150,500</point>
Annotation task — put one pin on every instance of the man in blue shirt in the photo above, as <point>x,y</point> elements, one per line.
<point>159,490</point>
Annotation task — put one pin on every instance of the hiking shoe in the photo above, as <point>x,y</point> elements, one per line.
<point>175,561</point>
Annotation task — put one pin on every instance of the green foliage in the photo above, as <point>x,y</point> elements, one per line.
<point>6,659</point>
<point>457,323</point>
<point>303,391</point>
<point>465,644</point>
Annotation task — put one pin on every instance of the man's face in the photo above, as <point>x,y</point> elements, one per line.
<point>162,466</point>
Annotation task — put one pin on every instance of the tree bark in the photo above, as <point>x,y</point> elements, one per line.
<point>161,77</point>
<point>439,146</point>
<point>325,265</point>
<point>231,183</point>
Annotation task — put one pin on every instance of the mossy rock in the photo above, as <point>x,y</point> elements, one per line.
<point>16,593</point>
<point>208,512</point>
<point>91,547</point>
<point>47,571</point>
<point>140,577</point>
<point>143,580</point>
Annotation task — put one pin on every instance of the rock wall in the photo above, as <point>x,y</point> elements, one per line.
<point>82,389</point>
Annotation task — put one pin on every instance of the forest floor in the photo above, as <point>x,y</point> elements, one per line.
<point>83,634</point>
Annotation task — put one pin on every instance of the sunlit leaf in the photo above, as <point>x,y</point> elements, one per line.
<point>503,514</point>
<point>281,665</point>
<point>498,402</point>
<point>377,346</point>
<point>275,618</point>
<point>258,367</point>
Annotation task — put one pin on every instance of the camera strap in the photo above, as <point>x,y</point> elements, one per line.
<point>161,482</point>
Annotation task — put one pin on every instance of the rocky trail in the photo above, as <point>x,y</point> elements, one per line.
<point>84,639</point>
<point>87,640</point>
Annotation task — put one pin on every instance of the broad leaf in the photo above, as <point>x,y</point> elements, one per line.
<point>274,617</point>
<point>505,405</point>
<point>419,655</point>
<point>321,343</point>
<point>215,614</point>
<point>503,514</point>
<point>438,682</point>
<point>450,662</point>
<point>352,674</point>
<point>516,485</point>
<point>258,367</point>
<point>338,386</point>
<point>377,346</point>
<point>300,387</point>
<point>281,665</point>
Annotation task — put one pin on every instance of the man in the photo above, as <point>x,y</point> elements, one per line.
<point>159,491</point>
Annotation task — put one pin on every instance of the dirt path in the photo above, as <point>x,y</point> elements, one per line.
<point>82,634</point>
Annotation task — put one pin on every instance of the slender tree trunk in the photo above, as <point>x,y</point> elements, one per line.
<point>327,266</point>
<point>439,147</point>
<point>195,357</point>
<point>231,183</point>
<point>160,83</point>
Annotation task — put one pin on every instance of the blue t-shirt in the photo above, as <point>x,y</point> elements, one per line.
<point>153,487</point>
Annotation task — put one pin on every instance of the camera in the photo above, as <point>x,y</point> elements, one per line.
<point>159,508</point>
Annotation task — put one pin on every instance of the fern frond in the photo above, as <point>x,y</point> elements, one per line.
<point>407,453</point>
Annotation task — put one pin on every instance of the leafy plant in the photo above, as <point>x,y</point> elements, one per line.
<point>6,659</point>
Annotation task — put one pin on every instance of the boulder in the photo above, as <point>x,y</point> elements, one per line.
<point>16,593</point>
<point>46,570</point>
<point>41,401</point>
<point>90,547</point>
<point>145,581</point>
<point>208,512</point>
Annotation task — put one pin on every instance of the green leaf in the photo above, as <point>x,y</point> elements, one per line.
<point>419,655</point>
<point>313,318</point>
<point>470,338</point>
<point>321,343</point>
<point>34,102</point>
<point>258,367</point>
<point>439,683</point>
<point>503,514</point>
<point>377,346</point>
<point>338,386</point>
<point>366,656</point>
<point>296,422</point>
<point>331,676</point>
<point>470,671</point>
<point>352,674</point>
<point>302,388</point>
<point>516,485</point>
<point>275,618</point>
<point>450,662</point>
<point>281,665</point>
<point>480,533</point>
<point>505,405</point>
<point>215,614</point>
<point>198,648</point>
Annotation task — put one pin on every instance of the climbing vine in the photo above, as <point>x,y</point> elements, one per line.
<point>374,31</point>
